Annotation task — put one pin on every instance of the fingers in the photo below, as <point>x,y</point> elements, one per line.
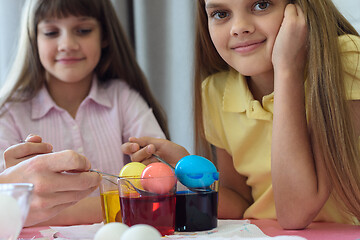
<point>22,151</point>
<point>37,215</point>
<point>140,149</point>
<point>50,172</point>
<point>48,177</point>
<point>144,154</point>
<point>290,10</point>
<point>294,11</point>
<point>144,141</point>
<point>289,48</point>
<point>129,148</point>
<point>46,206</point>
<point>166,149</point>
<point>50,200</point>
<point>26,149</point>
<point>66,160</point>
<point>299,11</point>
<point>33,138</point>
<point>62,182</point>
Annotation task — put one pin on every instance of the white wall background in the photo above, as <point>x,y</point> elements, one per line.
<point>351,10</point>
<point>164,44</point>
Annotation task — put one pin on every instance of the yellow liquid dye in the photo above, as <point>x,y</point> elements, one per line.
<point>111,206</point>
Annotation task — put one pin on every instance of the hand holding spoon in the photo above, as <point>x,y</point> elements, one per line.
<point>130,185</point>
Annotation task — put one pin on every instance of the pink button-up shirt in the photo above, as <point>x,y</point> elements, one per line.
<point>106,118</point>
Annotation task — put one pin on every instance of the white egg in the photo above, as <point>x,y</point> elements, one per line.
<point>141,232</point>
<point>111,231</point>
<point>10,217</point>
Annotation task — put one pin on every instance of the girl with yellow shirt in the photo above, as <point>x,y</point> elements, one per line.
<point>277,89</point>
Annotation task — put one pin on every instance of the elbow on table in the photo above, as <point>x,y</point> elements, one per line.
<point>294,221</point>
<point>293,224</point>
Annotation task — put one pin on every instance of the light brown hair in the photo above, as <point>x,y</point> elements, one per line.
<point>327,108</point>
<point>117,61</point>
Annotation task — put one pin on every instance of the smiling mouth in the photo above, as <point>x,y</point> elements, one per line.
<point>69,60</point>
<point>247,48</point>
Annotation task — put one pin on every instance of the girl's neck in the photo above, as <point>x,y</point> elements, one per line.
<point>69,96</point>
<point>261,85</point>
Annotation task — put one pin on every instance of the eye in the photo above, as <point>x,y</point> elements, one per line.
<point>261,5</point>
<point>219,14</point>
<point>51,33</point>
<point>84,31</point>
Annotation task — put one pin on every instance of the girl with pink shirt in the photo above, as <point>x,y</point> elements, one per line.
<point>75,83</point>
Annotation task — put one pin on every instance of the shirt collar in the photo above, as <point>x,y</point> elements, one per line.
<point>238,98</point>
<point>98,93</point>
<point>236,94</point>
<point>42,103</point>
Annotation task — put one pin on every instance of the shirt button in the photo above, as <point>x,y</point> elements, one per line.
<point>75,127</point>
<point>80,150</point>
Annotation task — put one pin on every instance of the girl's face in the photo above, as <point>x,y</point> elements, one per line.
<point>244,32</point>
<point>69,48</point>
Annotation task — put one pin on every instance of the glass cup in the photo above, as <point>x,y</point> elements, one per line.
<point>110,203</point>
<point>14,208</point>
<point>149,201</point>
<point>196,210</point>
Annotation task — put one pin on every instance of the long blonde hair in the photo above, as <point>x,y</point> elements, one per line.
<point>118,61</point>
<point>327,108</point>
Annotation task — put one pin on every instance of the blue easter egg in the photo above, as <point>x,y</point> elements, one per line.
<point>194,171</point>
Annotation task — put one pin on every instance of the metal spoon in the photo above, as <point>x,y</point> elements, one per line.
<point>130,184</point>
<point>163,161</point>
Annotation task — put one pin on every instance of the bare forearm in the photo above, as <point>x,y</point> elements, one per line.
<point>294,171</point>
<point>86,211</point>
<point>231,204</point>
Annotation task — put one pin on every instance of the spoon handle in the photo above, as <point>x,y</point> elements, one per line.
<point>103,173</point>
<point>163,161</point>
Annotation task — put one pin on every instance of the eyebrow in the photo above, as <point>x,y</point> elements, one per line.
<point>212,5</point>
<point>82,19</point>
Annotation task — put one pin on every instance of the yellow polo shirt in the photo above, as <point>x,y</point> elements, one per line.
<point>234,121</point>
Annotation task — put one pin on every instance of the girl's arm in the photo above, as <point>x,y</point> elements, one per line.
<point>299,179</point>
<point>142,150</point>
<point>234,195</point>
<point>54,190</point>
<point>86,211</point>
<point>300,184</point>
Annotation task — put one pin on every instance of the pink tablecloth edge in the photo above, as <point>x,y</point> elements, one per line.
<point>315,231</point>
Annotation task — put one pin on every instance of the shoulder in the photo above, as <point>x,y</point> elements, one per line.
<point>116,86</point>
<point>216,81</point>
<point>350,57</point>
<point>214,85</point>
<point>350,50</point>
<point>349,43</point>
<point>16,108</point>
<point>119,89</point>
<point>120,93</point>
<point>13,116</point>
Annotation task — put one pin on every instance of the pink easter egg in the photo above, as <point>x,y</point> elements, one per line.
<point>158,178</point>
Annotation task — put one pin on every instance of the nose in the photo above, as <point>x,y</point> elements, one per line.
<point>241,26</point>
<point>68,42</point>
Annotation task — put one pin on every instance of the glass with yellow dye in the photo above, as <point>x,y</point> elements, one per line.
<point>110,202</point>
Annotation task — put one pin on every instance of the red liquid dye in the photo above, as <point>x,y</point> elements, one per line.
<point>157,211</point>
